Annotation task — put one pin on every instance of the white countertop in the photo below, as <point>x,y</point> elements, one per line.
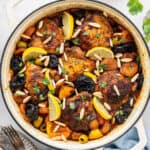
<point>23,9</point>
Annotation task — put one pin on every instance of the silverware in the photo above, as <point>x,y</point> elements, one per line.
<point>14,138</point>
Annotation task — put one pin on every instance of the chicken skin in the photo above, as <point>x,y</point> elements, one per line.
<point>91,36</point>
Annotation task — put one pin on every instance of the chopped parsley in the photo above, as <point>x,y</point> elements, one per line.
<point>45,81</point>
<point>75,41</point>
<point>45,32</point>
<point>51,92</point>
<point>97,35</point>
<point>83,97</point>
<point>88,117</point>
<point>36,88</point>
<point>103,84</point>
<point>77,118</point>
<point>31,61</point>
<point>146,28</point>
<point>102,67</point>
<point>21,74</point>
<point>63,70</point>
<point>20,64</point>
<point>121,112</point>
<point>41,97</point>
<point>86,33</point>
<point>121,41</point>
<point>57,49</point>
<point>134,6</point>
<point>72,105</point>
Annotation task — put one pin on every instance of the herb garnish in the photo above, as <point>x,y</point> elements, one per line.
<point>121,41</point>
<point>83,97</point>
<point>77,118</point>
<point>57,49</point>
<point>41,97</point>
<point>134,7</point>
<point>63,70</point>
<point>121,112</point>
<point>97,35</point>
<point>146,28</point>
<point>103,84</point>
<point>45,81</point>
<point>72,105</point>
<point>102,67</point>
<point>36,88</point>
<point>20,64</point>
<point>21,74</point>
<point>86,33</point>
<point>75,41</point>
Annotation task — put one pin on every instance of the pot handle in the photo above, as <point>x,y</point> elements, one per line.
<point>141,134</point>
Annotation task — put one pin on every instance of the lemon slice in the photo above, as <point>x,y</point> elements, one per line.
<point>101,109</point>
<point>54,108</point>
<point>47,76</point>
<point>90,75</point>
<point>32,53</point>
<point>68,25</point>
<point>102,52</point>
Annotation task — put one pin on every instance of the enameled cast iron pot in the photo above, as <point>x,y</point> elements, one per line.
<point>50,9</point>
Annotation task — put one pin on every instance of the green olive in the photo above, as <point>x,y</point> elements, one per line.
<point>38,122</point>
<point>22,44</point>
<point>83,139</point>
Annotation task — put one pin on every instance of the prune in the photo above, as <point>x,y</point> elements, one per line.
<point>53,62</point>
<point>17,82</point>
<point>121,117</point>
<point>140,81</point>
<point>32,110</point>
<point>16,64</point>
<point>122,48</point>
<point>84,83</point>
<point>79,14</point>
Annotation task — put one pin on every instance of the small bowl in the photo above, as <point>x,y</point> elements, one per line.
<point>50,9</point>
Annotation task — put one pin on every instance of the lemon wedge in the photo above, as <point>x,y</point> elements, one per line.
<point>101,109</point>
<point>101,52</point>
<point>68,25</point>
<point>50,84</point>
<point>32,53</point>
<point>54,108</point>
<point>90,75</point>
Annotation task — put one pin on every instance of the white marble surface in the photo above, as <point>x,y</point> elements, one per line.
<point>21,10</point>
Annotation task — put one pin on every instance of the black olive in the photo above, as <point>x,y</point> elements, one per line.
<point>32,110</point>
<point>140,81</point>
<point>122,48</point>
<point>16,63</point>
<point>53,62</point>
<point>84,83</point>
<point>17,82</point>
<point>79,14</point>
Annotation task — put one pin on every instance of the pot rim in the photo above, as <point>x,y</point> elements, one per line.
<point>10,36</point>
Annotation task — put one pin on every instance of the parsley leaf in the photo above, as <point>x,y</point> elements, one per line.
<point>86,33</point>
<point>102,67</point>
<point>134,7</point>
<point>45,81</point>
<point>97,35</point>
<point>146,28</point>
<point>83,97</point>
<point>103,84</point>
<point>75,41</point>
<point>77,118</point>
<point>63,70</point>
<point>21,75</point>
<point>41,97</point>
<point>36,88</point>
<point>121,41</point>
<point>57,49</point>
<point>72,105</point>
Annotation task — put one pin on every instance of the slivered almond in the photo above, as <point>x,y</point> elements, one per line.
<point>116,90</point>
<point>60,62</point>
<point>118,55</point>
<point>40,25</point>
<point>59,70</point>
<point>118,63</point>
<point>96,72</point>
<point>44,70</point>
<point>62,46</point>
<point>76,33</point>
<point>63,138</point>
<point>69,83</point>
<point>56,138</point>
<point>76,91</point>
<point>98,94</point>
<point>82,111</point>
<point>86,69</point>
<point>26,91</point>
<point>117,34</point>
<point>105,14</point>
<point>25,37</point>
<point>135,77</point>
<point>78,22</point>
<point>60,123</point>
<point>126,59</point>
<point>47,40</point>
<point>113,120</point>
<point>43,105</point>
<point>56,128</point>
<point>20,93</point>
<point>97,57</point>
<point>97,64</point>
<point>94,24</point>
<point>82,19</point>
<point>59,82</point>
<point>65,57</point>
<point>66,77</point>
<point>25,100</point>
<point>107,106</point>
<point>131,102</point>
<point>23,69</point>
<point>46,62</point>
<point>64,103</point>
<point>53,83</point>
<point>110,42</point>
<point>39,34</point>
